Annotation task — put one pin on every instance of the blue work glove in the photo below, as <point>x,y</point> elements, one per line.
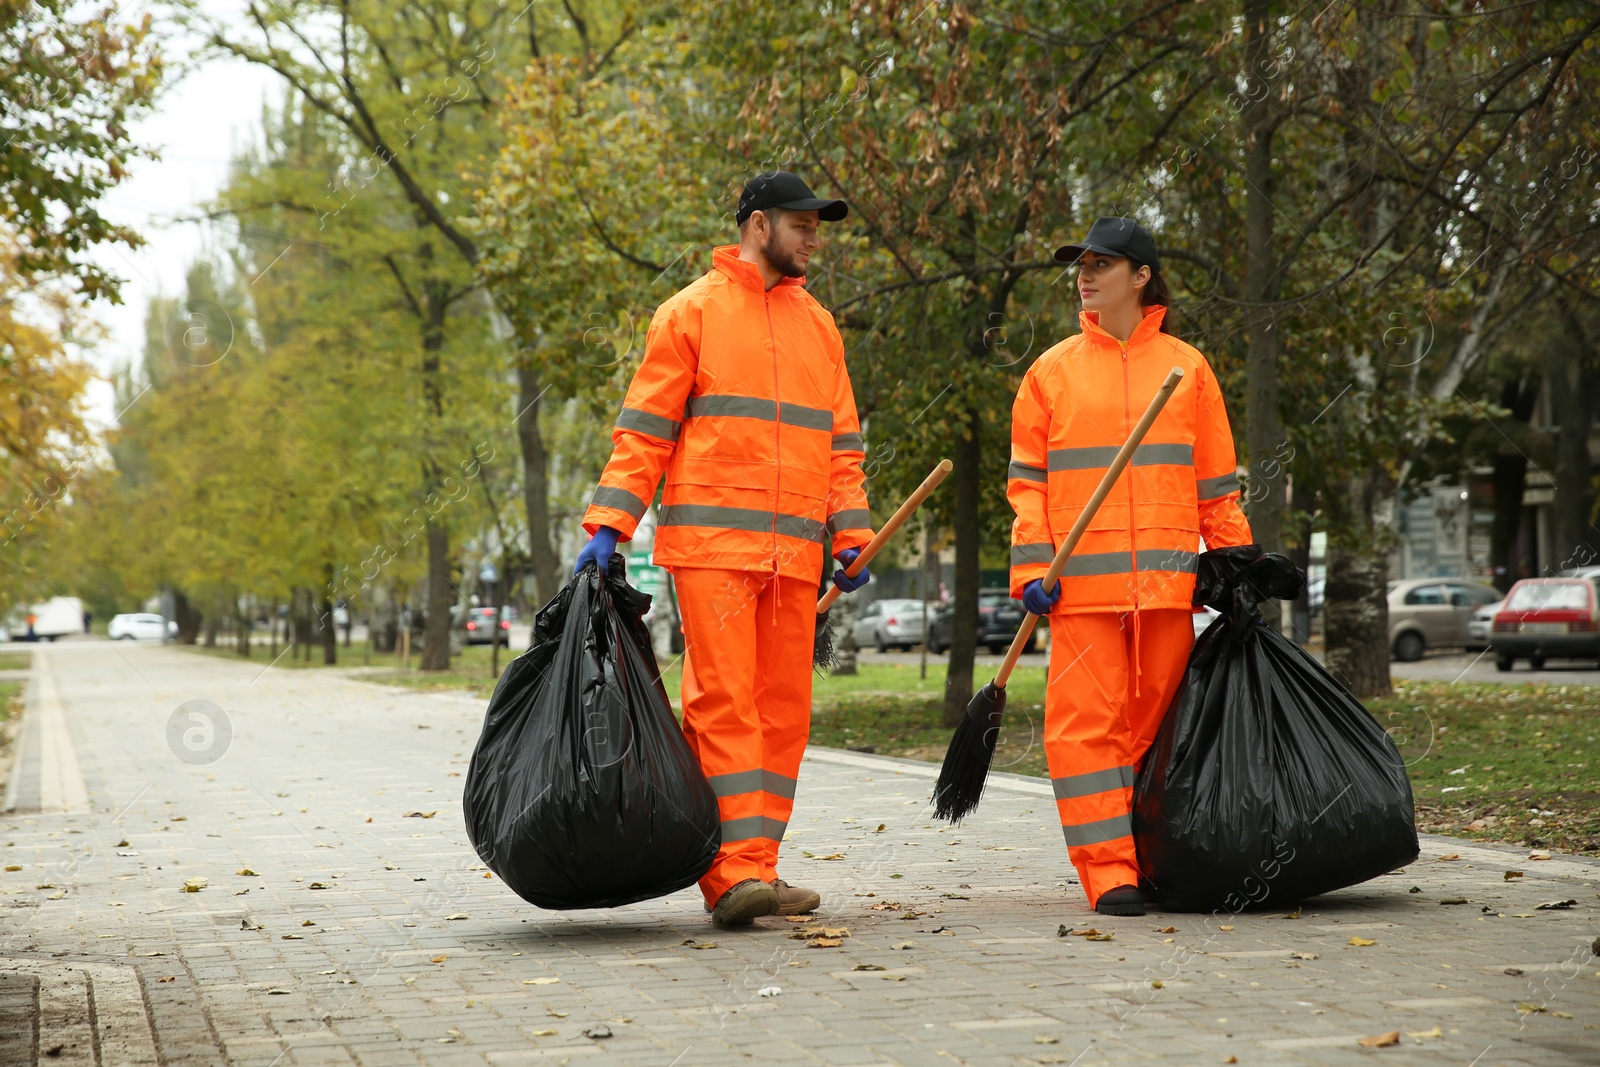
<point>598,550</point>
<point>1035,600</point>
<point>847,584</point>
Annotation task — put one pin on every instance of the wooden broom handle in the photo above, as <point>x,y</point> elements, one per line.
<point>1059,564</point>
<point>897,520</point>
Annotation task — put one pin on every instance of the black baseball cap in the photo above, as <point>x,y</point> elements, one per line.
<point>1115,237</point>
<point>779,188</point>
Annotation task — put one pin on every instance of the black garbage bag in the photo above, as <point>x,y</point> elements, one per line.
<point>1268,782</point>
<point>582,792</point>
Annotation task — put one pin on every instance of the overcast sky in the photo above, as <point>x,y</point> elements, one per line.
<point>198,123</point>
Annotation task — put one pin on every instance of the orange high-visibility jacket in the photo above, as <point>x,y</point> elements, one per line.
<point>1077,405</point>
<point>744,400</point>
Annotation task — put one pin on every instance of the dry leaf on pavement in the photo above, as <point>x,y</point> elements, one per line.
<point>1512,874</point>
<point>546,980</point>
<point>1363,941</point>
<point>1419,1034</point>
<point>1381,1040</point>
<point>419,814</point>
<point>1552,905</point>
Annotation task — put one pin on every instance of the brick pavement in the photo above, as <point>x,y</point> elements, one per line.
<point>410,955</point>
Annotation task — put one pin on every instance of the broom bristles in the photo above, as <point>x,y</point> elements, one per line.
<point>822,657</point>
<point>967,760</point>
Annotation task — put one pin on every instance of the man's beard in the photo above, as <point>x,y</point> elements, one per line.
<point>782,262</point>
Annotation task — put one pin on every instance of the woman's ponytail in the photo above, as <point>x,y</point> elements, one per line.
<point>1155,291</point>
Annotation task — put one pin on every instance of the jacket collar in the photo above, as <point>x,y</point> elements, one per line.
<point>1149,326</point>
<point>725,259</point>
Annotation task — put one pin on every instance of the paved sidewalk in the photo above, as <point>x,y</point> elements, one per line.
<point>339,922</point>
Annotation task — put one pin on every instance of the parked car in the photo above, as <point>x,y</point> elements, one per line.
<point>999,617</point>
<point>1429,613</point>
<point>139,626</point>
<point>1545,617</point>
<point>886,624</point>
<point>477,627</point>
<point>1481,626</point>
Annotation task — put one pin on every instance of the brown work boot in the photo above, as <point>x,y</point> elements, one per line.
<point>795,901</point>
<point>744,903</point>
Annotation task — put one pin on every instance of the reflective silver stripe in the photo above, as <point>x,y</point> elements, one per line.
<point>1083,785</point>
<point>1212,488</point>
<point>610,496</point>
<point>754,407</point>
<point>850,519</point>
<point>1095,456</point>
<point>848,442</point>
<point>741,519</point>
<point>753,826</point>
<point>743,407</point>
<point>810,418</point>
<point>1023,470</point>
<point>731,785</point>
<point>1095,564</point>
<point>645,422</point>
<point>1038,553</point>
<point>779,785</point>
<point>1092,833</point>
<point>803,528</point>
<point>737,782</point>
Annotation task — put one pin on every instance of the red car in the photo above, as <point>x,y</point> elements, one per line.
<point>1545,617</point>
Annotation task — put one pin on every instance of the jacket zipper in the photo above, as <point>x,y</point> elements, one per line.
<point>1127,423</point>
<point>777,431</point>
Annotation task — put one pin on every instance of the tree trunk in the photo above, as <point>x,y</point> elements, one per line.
<point>968,534</point>
<point>1264,435</point>
<point>272,631</point>
<point>330,633</point>
<point>186,617</point>
<point>212,621</point>
<point>1357,624</point>
<point>1574,389</point>
<point>441,598</point>
<point>242,628</point>
<point>536,486</point>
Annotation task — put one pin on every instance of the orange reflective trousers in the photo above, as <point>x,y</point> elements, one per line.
<point>1112,676</point>
<point>747,706</point>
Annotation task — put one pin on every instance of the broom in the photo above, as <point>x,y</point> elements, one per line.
<point>822,644</point>
<point>966,762</point>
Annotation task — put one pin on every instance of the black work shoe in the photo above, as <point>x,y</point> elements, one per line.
<point>1123,900</point>
<point>744,903</point>
<point>792,900</point>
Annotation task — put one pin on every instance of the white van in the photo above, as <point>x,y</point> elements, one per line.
<point>57,617</point>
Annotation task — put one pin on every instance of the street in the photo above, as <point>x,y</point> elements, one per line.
<point>286,881</point>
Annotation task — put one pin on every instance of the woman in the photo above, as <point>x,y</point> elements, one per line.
<point>1120,617</point>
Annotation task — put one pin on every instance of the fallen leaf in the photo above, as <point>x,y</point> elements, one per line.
<point>194,885</point>
<point>246,872</point>
<point>1224,928</point>
<point>1044,1039</point>
<point>457,915</point>
<point>390,867</point>
<point>1363,941</point>
<point>598,1032</point>
<point>1165,929</point>
<point>1158,984</point>
<point>894,978</point>
<point>278,992</point>
<point>319,885</point>
<point>1231,1059</point>
<point>18,866</point>
<point>956,896</point>
<point>825,942</point>
<point>768,991</point>
<point>59,893</point>
<point>1515,972</point>
<point>1303,955</point>
<point>1098,937</point>
<point>1452,856</point>
<point>419,814</point>
<point>1419,1034</point>
<point>830,856</point>
<point>1090,932</point>
<point>1295,914</point>
<point>798,918</point>
<point>1530,1009</point>
<point>558,1014</point>
<point>1539,855</point>
<point>548,979</point>
<point>129,852</point>
<point>1453,900</point>
<point>291,937</point>
<point>544,1033</point>
<point>881,828</point>
<point>869,967</point>
<point>1381,1040</point>
<point>1552,905</point>
<point>168,978</point>
<point>702,945</point>
<point>1512,874</point>
<point>902,946</point>
<point>438,959</point>
<point>308,922</point>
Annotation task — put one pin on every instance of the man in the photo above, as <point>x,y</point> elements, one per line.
<point>743,399</point>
